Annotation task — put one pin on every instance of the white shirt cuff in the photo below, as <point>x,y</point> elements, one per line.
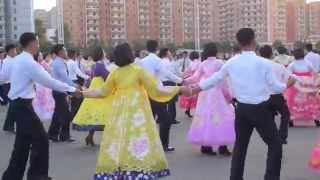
<point>204,85</point>
<point>72,89</point>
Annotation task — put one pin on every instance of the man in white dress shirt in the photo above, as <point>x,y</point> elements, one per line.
<point>152,64</point>
<point>313,58</point>
<point>251,80</point>
<point>60,125</point>
<point>75,73</point>
<point>31,135</point>
<point>183,63</point>
<point>78,77</point>
<point>166,58</point>
<point>283,58</point>
<point>278,102</point>
<point>11,51</point>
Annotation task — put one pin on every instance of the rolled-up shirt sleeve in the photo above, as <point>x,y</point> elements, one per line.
<point>274,84</point>
<point>4,77</point>
<point>167,73</point>
<point>79,72</point>
<point>62,75</point>
<point>214,79</point>
<point>41,76</point>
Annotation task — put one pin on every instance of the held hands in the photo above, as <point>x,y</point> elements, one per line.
<point>291,81</point>
<point>190,91</point>
<point>77,93</point>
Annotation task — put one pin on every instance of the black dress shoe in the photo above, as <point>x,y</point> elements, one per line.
<point>176,122</point>
<point>9,131</point>
<point>317,122</point>
<point>284,141</point>
<point>208,151</point>
<point>54,139</point>
<point>223,150</point>
<point>68,140</point>
<point>188,113</point>
<point>291,124</point>
<point>169,149</point>
<point>40,178</point>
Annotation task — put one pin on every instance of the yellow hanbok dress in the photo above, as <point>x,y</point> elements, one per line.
<point>93,113</point>
<point>131,147</point>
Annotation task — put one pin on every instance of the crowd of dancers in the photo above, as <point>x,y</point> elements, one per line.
<point>125,95</point>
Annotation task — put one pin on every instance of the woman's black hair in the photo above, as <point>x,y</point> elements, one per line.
<point>163,52</point>
<point>210,50</point>
<point>123,55</point>
<point>97,54</point>
<point>194,55</point>
<point>298,53</point>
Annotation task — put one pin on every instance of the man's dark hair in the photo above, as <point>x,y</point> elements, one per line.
<point>123,55</point>
<point>137,53</point>
<point>245,36</point>
<point>266,51</point>
<point>210,50</point>
<point>57,48</point>
<point>194,55</point>
<point>97,54</point>
<point>236,49</point>
<point>163,52</point>
<point>309,47</point>
<point>282,50</point>
<point>72,53</point>
<point>298,53</point>
<point>152,46</point>
<point>9,47</point>
<point>27,38</point>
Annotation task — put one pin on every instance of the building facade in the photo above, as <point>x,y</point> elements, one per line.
<point>296,20</point>
<point>187,21</point>
<point>15,19</point>
<point>313,22</point>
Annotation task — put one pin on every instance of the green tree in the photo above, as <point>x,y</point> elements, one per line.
<point>139,44</point>
<point>45,45</point>
<point>277,43</point>
<point>93,44</point>
<point>226,47</point>
<point>299,44</point>
<point>317,47</point>
<point>67,36</point>
<point>171,46</point>
<point>188,45</point>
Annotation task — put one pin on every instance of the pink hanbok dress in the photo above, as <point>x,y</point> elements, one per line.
<point>213,123</point>
<point>303,104</point>
<point>314,162</point>
<point>186,102</point>
<point>43,103</point>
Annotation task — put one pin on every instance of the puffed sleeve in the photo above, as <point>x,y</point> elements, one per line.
<point>109,85</point>
<point>156,91</point>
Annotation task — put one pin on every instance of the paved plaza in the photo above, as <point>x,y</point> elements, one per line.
<point>77,162</point>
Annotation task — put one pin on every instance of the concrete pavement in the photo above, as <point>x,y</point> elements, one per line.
<point>77,162</point>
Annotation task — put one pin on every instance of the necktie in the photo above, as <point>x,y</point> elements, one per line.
<point>184,65</point>
<point>65,64</point>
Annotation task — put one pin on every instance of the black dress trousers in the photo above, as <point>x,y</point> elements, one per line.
<point>61,119</point>
<point>31,139</point>
<point>261,118</point>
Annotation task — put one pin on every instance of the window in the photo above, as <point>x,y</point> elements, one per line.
<point>15,28</point>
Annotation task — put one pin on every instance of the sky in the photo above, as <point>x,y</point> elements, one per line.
<point>48,4</point>
<point>44,4</point>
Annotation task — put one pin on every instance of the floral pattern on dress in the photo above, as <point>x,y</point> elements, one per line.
<point>138,119</point>
<point>139,147</point>
<point>112,151</point>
